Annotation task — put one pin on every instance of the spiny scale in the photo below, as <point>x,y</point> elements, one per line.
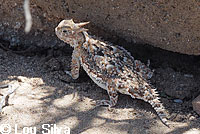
<point>110,67</point>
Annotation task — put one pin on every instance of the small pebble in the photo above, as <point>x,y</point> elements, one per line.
<point>21,79</point>
<point>178,101</point>
<point>192,118</point>
<point>188,75</point>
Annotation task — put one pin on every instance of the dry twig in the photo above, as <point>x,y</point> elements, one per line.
<point>5,97</point>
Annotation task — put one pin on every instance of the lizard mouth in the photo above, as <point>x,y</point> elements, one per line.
<point>58,34</point>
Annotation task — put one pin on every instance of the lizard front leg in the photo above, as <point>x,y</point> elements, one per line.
<point>75,65</point>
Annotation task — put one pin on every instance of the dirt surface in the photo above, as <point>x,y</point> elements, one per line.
<point>46,95</point>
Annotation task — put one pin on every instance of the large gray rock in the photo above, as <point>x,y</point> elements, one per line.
<point>170,25</point>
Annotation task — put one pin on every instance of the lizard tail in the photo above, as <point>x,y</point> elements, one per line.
<point>155,102</point>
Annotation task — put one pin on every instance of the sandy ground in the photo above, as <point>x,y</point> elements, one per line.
<point>46,95</point>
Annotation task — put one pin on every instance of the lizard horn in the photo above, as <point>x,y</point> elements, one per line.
<point>82,24</point>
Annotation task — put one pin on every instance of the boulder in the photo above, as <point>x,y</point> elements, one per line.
<point>170,25</point>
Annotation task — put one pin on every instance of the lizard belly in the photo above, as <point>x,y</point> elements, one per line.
<point>98,82</point>
<point>123,91</point>
<point>94,77</point>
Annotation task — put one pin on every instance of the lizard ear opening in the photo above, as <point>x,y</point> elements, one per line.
<point>82,24</point>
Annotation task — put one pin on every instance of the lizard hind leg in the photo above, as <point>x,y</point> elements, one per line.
<point>113,95</point>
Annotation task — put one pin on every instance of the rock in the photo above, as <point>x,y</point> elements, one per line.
<point>196,104</point>
<point>178,101</point>
<point>21,79</point>
<point>168,25</point>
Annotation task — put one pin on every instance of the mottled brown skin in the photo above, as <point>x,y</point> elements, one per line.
<point>110,67</point>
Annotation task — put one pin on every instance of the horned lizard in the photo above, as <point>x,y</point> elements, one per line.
<point>110,67</point>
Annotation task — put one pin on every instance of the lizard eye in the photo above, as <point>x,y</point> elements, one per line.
<point>64,31</point>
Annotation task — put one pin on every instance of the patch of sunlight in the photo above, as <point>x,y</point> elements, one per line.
<point>33,81</point>
<point>84,105</point>
<point>98,121</point>
<point>21,117</point>
<point>65,101</point>
<point>70,122</point>
<point>125,114</point>
<point>68,100</point>
<point>29,95</point>
<point>173,126</point>
<point>158,127</point>
<point>109,128</point>
<point>192,131</point>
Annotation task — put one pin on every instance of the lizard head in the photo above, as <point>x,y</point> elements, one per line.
<point>70,32</point>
